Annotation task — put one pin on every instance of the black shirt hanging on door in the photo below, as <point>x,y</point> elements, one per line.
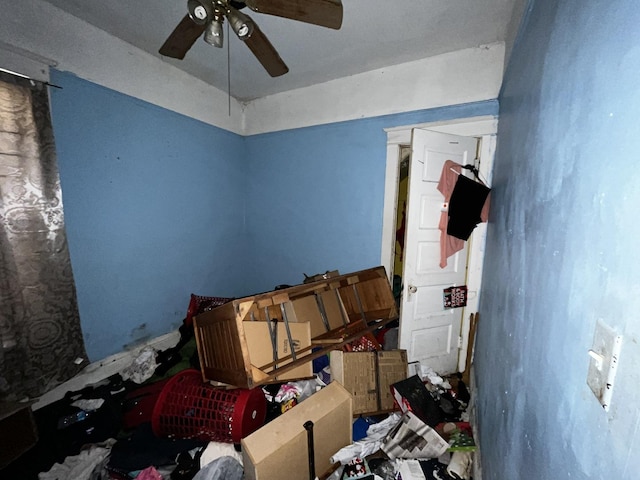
<point>466,203</point>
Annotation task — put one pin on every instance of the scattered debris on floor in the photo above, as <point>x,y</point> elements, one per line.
<point>352,409</point>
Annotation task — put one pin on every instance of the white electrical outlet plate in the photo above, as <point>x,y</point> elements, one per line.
<point>603,365</point>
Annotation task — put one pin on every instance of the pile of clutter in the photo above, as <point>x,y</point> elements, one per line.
<point>109,430</point>
<point>430,438</point>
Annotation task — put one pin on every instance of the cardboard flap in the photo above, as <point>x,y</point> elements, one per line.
<point>258,341</point>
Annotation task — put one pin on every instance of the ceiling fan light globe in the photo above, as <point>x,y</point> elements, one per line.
<point>241,24</point>
<point>243,31</point>
<point>200,11</point>
<point>214,34</point>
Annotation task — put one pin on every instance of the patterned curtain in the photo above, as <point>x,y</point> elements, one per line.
<point>41,342</point>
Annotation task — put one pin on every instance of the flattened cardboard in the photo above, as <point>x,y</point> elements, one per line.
<point>279,449</point>
<point>261,352</point>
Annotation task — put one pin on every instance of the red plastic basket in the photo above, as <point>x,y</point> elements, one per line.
<point>189,408</point>
<point>201,303</point>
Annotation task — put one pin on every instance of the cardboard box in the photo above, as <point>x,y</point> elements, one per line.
<point>392,368</point>
<point>356,371</point>
<point>18,431</point>
<point>368,376</point>
<point>280,449</point>
<point>261,350</point>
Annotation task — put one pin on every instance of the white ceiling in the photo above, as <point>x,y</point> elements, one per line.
<point>374,34</point>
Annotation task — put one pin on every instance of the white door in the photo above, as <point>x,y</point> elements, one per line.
<point>428,332</point>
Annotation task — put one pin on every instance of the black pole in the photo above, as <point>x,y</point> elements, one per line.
<point>308,426</point>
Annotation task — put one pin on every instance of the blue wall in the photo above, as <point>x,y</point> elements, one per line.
<point>316,194</point>
<point>159,206</point>
<point>562,248</point>
<point>154,211</point>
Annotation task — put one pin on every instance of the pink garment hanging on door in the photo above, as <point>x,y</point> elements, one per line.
<point>448,178</point>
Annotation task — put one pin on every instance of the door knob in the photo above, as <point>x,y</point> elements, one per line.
<point>413,289</point>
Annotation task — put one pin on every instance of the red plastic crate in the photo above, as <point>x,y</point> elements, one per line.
<point>189,408</point>
<point>201,303</point>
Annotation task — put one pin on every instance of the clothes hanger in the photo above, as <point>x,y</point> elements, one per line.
<point>473,169</point>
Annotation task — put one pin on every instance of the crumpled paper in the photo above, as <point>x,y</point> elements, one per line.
<point>142,368</point>
<point>369,444</point>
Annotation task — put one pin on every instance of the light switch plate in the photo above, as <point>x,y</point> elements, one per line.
<point>603,364</point>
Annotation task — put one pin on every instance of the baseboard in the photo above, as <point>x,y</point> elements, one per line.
<point>98,371</point>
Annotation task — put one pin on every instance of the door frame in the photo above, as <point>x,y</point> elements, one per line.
<point>486,128</point>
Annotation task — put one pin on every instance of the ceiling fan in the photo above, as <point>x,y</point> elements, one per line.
<point>207,16</point>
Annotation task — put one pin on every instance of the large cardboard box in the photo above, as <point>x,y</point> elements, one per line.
<point>356,371</point>
<point>279,449</point>
<point>368,376</point>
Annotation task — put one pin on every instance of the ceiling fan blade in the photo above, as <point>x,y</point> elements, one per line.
<point>182,38</point>
<point>266,54</point>
<point>326,13</point>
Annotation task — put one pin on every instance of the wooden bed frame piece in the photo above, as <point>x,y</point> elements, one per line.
<point>344,308</point>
